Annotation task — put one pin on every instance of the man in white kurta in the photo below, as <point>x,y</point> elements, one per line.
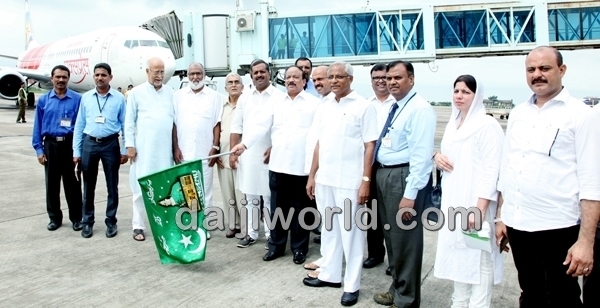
<point>289,122</point>
<point>253,171</point>
<point>341,171</point>
<point>148,127</point>
<point>197,126</point>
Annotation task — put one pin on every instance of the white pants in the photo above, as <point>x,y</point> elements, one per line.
<point>139,210</point>
<point>337,242</point>
<point>227,180</point>
<point>254,202</point>
<point>476,295</point>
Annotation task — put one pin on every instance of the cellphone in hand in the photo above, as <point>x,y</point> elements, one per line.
<point>503,244</point>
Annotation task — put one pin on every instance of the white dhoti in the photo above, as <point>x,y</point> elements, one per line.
<point>337,242</point>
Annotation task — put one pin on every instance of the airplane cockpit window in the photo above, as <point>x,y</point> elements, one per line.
<point>148,43</point>
<point>163,44</point>
<point>134,44</point>
<point>127,43</point>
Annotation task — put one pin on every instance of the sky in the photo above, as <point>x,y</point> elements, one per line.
<point>501,76</point>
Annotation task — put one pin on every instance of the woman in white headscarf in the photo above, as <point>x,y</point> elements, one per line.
<point>470,156</point>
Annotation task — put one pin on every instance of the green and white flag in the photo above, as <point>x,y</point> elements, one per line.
<point>174,200</point>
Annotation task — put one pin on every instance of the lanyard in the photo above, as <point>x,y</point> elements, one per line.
<point>98,101</point>
<point>397,114</point>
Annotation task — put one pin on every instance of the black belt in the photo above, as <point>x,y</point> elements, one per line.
<point>393,166</point>
<point>103,139</point>
<point>59,138</point>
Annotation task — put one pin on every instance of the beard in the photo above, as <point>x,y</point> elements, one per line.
<point>197,85</point>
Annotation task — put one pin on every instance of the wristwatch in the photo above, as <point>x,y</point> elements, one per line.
<point>497,220</point>
<point>216,147</point>
<point>366,179</point>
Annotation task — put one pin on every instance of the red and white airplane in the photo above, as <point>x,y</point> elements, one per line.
<point>125,49</point>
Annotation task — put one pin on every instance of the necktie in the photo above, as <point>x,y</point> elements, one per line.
<point>387,125</point>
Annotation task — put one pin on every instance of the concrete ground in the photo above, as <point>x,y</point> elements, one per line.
<point>60,268</point>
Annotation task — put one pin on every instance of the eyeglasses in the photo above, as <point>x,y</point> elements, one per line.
<point>158,73</point>
<point>378,78</point>
<point>337,77</point>
<point>193,74</point>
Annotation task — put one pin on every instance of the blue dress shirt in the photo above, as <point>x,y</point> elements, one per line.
<point>110,107</point>
<point>49,112</point>
<point>412,136</point>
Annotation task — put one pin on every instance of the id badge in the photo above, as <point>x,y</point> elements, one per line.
<point>386,142</point>
<point>99,119</point>
<point>64,122</point>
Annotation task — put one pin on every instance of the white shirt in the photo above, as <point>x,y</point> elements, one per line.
<point>343,130</point>
<point>550,162</point>
<point>253,173</point>
<point>196,115</point>
<point>382,108</point>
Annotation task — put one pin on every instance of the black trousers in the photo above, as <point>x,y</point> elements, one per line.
<point>404,247</point>
<point>92,153</point>
<point>375,239</point>
<point>289,192</point>
<point>59,165</point>
<point>539,258</point>
<point>591,283</point>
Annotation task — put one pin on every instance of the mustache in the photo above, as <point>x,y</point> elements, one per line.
<point>538,80</point>
<point>291,83</point>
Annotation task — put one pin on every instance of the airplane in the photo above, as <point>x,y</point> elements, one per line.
<point>126,49</point>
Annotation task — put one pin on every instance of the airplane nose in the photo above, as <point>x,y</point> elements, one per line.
<point>169,68</point>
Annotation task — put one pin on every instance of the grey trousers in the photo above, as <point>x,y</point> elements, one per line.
<point>404,247</point>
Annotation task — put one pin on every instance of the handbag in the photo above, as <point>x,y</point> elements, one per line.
<point>433,199</point>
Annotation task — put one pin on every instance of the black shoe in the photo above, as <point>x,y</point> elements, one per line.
<point>388,271</point>
<point>315,282</point>
<point>317,239</point>
<point>87,231</point>
<point>349,299</point>
<point>299,257</point>
<point>111,230</point>
<point>53,225</point>
<point>372,262</point>
<point>77,226</point>
<point>317,231</point>
<point>270,256</point>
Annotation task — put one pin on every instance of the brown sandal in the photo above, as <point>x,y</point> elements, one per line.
<point>137,233</point>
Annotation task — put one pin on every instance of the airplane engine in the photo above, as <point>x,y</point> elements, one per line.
<point>10,82</point>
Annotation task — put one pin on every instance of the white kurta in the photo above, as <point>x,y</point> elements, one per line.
<point>148,127</point>
<point>196,115</point>
<point>253,173</point>
<point>475,150</point>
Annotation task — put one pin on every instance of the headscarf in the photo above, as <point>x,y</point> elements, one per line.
<point>475,118</point>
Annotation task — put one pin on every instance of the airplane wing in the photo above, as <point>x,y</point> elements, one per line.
<point>29,73</point>
<point>9,57</point>
<point>34,74</point>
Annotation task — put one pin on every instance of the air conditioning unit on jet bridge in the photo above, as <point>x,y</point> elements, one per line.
<point>244,21</point>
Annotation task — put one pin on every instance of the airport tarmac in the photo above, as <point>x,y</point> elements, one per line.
<point>60,268</point>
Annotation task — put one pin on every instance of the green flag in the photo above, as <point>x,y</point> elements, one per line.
<point>174,200</point>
